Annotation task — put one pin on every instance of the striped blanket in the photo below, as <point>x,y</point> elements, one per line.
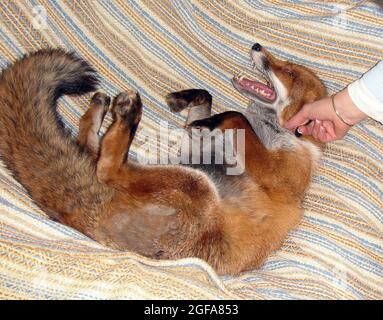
<point>161,46</point>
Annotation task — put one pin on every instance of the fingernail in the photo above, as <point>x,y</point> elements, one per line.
<point>297,133</point>
<point>299,130</point>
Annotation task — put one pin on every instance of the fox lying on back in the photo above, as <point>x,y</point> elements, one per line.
<point>232,223</point>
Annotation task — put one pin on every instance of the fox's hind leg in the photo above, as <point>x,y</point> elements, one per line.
<point>127,111</point>
<point>196,101</point>
<point>91,121</point>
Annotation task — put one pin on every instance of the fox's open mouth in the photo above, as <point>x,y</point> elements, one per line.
<point>255,89</point>
<point>264,92</point>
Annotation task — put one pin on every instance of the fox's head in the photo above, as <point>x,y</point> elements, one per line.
<point>288,85</point>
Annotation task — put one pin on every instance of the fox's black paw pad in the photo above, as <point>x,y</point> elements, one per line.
<point>207,124</point>
<point>101,99</point>
<point>176,104</point>
<point>178,101</point>
<point>128,106</point>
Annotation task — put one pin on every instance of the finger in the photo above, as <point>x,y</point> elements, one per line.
<point>329,126</point>
<point>315,132</point>
<point>329,138</point>
<point>298,120</point>
<point>307,129</point>
<point>322,135</point>
<point>327,132</point>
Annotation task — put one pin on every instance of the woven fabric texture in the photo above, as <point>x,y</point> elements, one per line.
<point>161,46</point>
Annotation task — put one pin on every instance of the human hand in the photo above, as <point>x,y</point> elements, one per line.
<point>326,125</point>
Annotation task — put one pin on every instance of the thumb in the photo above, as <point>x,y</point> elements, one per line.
<point>299,119</point>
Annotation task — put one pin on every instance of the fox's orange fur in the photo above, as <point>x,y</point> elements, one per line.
<point>164,212</point>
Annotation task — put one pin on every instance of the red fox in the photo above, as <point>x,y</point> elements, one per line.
<point>161,211</point>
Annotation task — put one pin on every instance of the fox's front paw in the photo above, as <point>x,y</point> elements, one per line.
<point>128,106</point>
<point>178,101</point>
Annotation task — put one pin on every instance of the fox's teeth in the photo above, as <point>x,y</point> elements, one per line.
<point>239,76</point>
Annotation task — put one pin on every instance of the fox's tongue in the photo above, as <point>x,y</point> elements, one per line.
<point>257,88</point>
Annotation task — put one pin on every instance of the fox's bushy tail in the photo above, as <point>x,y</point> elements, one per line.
<point>33,144</point>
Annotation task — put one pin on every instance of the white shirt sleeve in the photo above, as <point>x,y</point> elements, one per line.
<point>367,92</point>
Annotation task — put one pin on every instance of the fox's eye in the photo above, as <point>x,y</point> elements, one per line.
<point>290,73</point>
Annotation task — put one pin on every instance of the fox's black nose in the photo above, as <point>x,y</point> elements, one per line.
<point>256,47</point>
